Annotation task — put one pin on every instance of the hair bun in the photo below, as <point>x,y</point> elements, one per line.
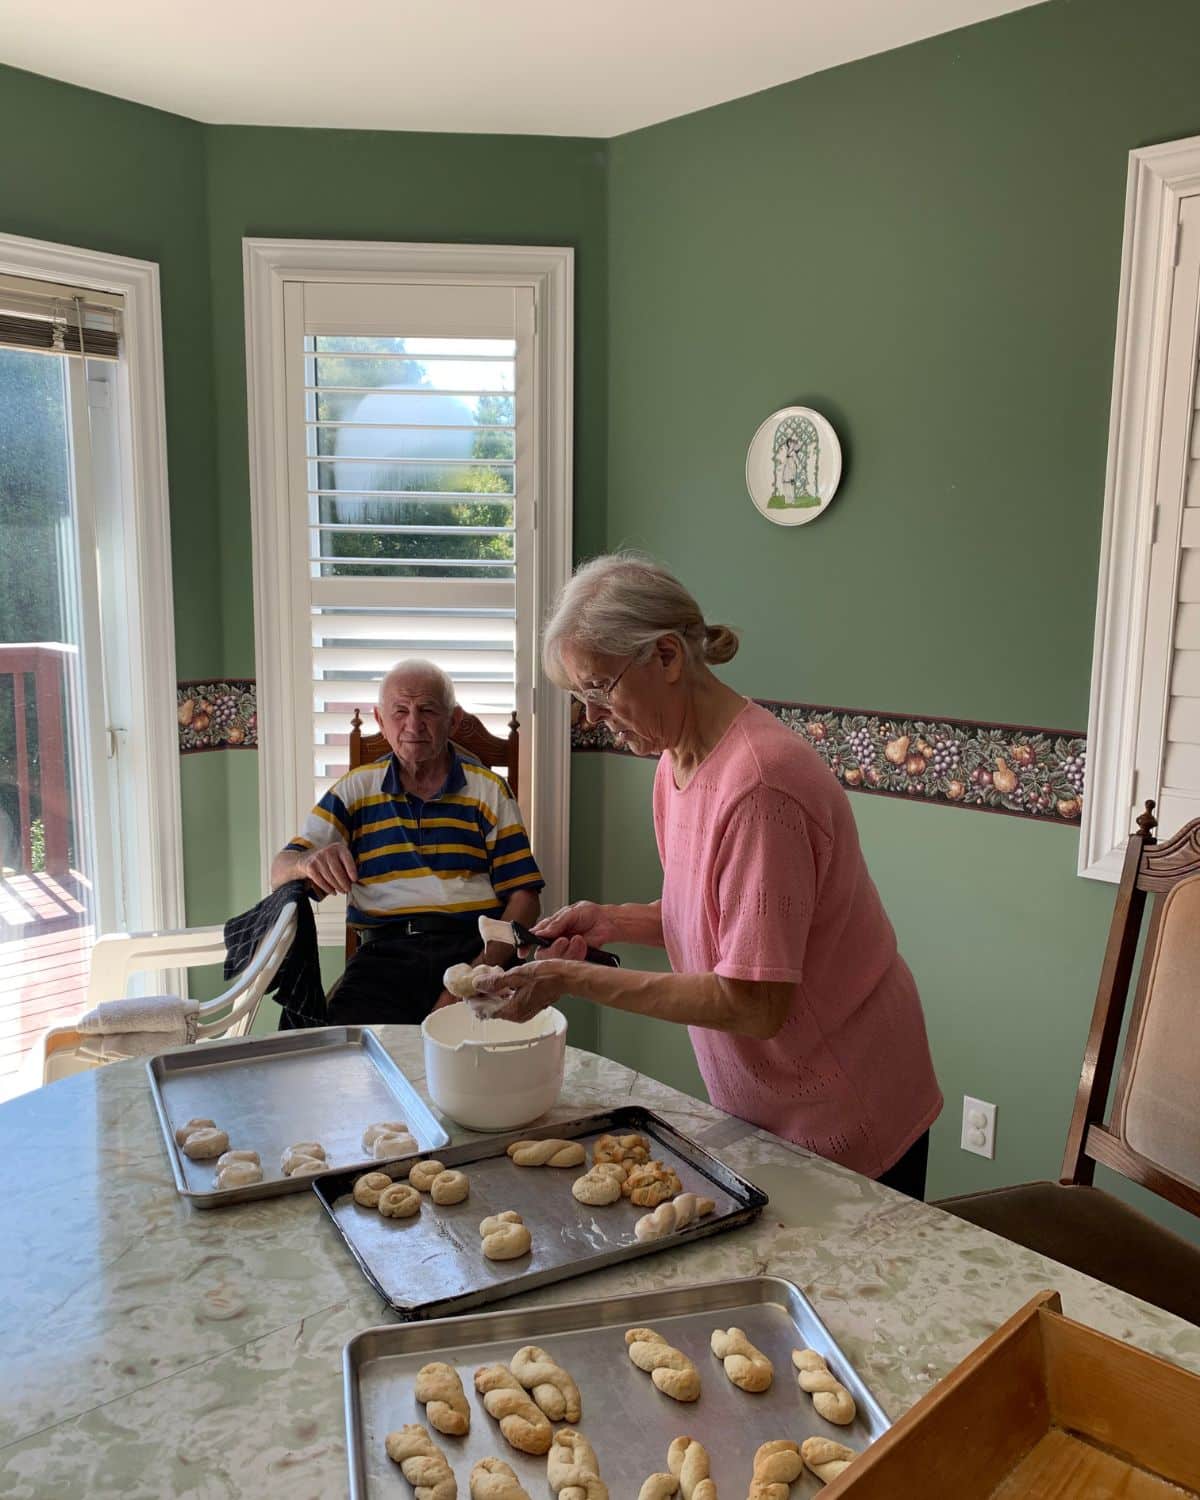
<point>720,643</point>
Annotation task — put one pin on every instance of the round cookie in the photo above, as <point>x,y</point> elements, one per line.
<point>203,1145</point>
<point>369,1186</point>
<point>308,1166</point>
<point>449,1187</point>
<point>389,1145</point>
<point>382,1127</point>
<point>183,1131</point>
<point>302,1152</point>
<point>399,1201</point>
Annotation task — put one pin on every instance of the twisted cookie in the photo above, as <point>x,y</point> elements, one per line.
<point>826,1458</point>
<point>549,1153</point>
<point>492,1479</point>
<point>688,1462</point>
<point>630,1150</point>
<point>675,1214</point>
<point>777,1466</point>
<point>671,1371</point>
<point>651,1184</point>
<point>830,1397</point>
<point>572,1469</point>
<point>600,1185</point>
<point>505,1236</point>
<point>369,1187</point>
<point>658,1487</point>
<point>440,1391</point>
<point>548,1383</point>
<point>504,1398</point>
<point>748,1367</point>
<point>421,1462</point>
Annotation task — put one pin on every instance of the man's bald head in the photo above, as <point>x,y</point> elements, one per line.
<point>418,716</point>
<point>417,675</point>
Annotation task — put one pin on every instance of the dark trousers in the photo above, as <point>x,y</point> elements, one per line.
<point>908,1174</point>
<point>395,978</point>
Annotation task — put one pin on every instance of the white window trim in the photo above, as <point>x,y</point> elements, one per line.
<point>268,264</point>
<point>154,848</point>
<point>1159,178</point>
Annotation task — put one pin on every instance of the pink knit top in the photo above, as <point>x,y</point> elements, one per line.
<point>763,878</point>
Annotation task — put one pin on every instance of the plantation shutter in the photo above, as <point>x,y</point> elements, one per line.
<point>1168,728</point>
<point>410,503</point>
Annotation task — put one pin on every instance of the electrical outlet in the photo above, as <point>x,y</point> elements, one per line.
<point>979,1127</point>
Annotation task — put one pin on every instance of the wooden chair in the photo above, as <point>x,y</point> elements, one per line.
<point>1152,1133</point>
<point>472,737</point>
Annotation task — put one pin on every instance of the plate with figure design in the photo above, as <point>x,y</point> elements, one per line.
<point>793,466</point>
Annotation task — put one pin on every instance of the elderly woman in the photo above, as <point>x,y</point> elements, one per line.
<point>804,1018</point>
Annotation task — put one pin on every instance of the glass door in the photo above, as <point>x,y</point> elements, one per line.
<point>58,884</point>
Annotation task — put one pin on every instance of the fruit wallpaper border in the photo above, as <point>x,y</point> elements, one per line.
<point>217,715</point>
<point>1001,768</point>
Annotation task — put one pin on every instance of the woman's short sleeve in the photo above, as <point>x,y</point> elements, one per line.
<point>764,889</point>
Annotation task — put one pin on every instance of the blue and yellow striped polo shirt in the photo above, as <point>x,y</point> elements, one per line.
<point>461,853</point>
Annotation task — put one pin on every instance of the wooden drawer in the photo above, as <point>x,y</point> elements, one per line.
<point>1045,1409</point>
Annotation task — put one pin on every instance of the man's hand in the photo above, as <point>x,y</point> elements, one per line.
<point>331,869</point>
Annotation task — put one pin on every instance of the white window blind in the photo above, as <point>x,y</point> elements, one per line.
<point>410,433</point>
<point>1167,757</point>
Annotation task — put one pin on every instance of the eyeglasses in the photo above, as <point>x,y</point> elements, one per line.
<point>601,697</point>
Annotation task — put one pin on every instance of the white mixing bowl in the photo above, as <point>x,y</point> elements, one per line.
<point>493,1075</point>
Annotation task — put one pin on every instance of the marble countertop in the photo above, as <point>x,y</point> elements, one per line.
<point>152,1350</point>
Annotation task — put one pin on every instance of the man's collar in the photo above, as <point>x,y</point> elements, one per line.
<point>456,779</point>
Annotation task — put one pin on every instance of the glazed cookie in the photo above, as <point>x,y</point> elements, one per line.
<point>449,1187</point>
<point>223,1161</point>
<point>302,1152</point>
<point>651,1184</point>
<point>389,1145</point>
<point>206,1143</point>
<point>183,1131</point>
<point>369,1186</point>
<point>382,1127</point>
<point>399,1201</point>
<point>632,1150</point>
<point>308,1166</point>
<point>236,1174</point>
<point>422,1173</point>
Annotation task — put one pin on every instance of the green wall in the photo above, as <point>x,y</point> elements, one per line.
<point>925,245</point>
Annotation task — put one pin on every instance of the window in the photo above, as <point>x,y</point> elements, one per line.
<point>1144,729</point>
<point>89,767</point>
<point>410,440</point>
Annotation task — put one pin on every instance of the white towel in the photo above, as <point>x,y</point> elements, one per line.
<point>169,1015</point>
<point>126,1044</point>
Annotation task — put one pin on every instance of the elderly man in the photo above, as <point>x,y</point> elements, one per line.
<point>423,842</point>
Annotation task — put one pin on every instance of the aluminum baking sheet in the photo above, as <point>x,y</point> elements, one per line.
<point>326,1084</point>
<point>431,1265</point>
<point>627,1420</point>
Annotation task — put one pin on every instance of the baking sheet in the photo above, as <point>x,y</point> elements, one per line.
<point>626,1419</point>
<point>326,1084</point>
<point>432,1266</point>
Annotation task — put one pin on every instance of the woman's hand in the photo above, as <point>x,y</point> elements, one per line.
<point>584,919</point>
<point>533,986</point>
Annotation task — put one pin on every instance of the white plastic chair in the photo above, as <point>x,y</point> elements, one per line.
<point>118,955</point>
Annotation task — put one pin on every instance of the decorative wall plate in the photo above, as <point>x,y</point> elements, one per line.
<point>793,466</point>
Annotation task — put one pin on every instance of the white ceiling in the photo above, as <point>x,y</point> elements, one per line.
<point>532,67</point>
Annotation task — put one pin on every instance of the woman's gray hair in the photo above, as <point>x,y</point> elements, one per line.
<point>620,605</point>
